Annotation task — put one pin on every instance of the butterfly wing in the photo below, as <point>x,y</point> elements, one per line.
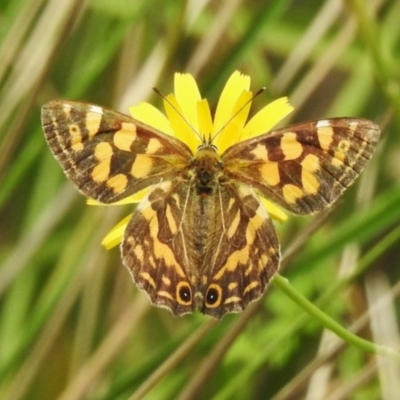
<point>157,247</point>
<point>109,155</point>
<point>304,167</point>
<point>243,252</point>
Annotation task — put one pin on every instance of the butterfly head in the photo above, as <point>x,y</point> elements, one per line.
<point>207,143</point>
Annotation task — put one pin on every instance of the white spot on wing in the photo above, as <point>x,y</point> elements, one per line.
<point>96,109</point>
<point>323,123</point>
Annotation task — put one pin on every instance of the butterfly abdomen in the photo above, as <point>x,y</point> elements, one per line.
<point>206,168</point>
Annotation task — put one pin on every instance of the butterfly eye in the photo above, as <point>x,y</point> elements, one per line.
<point>184,293</point>
<point>213,296</point>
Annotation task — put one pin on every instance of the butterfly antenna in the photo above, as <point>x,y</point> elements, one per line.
<point>237,112</point>
<point>179,113</point>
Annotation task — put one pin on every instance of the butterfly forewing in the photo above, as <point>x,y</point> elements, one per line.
<point>109,155</point>
<point>304,167</point>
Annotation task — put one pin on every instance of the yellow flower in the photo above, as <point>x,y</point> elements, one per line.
<point>187,113</point>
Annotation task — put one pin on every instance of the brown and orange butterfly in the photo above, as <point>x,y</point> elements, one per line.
<point>201,239</point>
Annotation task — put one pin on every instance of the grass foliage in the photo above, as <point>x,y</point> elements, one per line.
<point>73,326</point>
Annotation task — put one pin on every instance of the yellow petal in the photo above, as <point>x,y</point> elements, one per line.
<point>234,87</point>
<point>148,114</point>
<point>274,211</point>
<point>205,119</point>
<point>182,128</point>
<point>114,237</point>
<point>93,202</point>
<point>187,95</point>
<point>267,118</point>
<point>232,132</point>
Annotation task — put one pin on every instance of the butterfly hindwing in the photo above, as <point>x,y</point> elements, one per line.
<point>306,166</point>
<point>109,155</point>
<point>213,253</point>
<point>243,252</point>
<point>155,247</point>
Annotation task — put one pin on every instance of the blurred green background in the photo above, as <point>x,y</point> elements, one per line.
<point>72,324</point>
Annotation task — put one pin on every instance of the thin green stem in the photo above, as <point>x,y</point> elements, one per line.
<point>284,285</point>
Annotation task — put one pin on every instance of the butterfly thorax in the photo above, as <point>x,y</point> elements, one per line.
<point>206,167</point>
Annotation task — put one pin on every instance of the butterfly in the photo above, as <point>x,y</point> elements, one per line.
<point>201,238</point>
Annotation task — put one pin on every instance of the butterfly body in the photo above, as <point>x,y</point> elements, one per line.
<point>202,239</point>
